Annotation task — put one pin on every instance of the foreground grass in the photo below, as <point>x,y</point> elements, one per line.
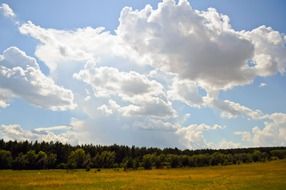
<point>269,175</point>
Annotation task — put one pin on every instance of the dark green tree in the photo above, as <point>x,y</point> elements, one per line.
<point>5,159</point>
<point>280,153</point>
<point>76,159</point>
<point>20,162</point>
<point>32,159</point>
<point>51,160</point>
<point>256,156</point>
<point>217,158</point>
<point>174,160</point>
<point>87,162</point>
<point>147,161</point>
<point>104,159</point>
<point>42,160</point>
<point>158,160</point>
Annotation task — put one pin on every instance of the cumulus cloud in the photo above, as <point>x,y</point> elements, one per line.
<point>154,107</point>
<point>107,81</point>
<point>4,98</point>
<point>270,135</point>
<point>278,118</point>
<point>187,92</point>
<point>192,136</point>
<point>3,103</point>
<point>245,136</point>
<point>201,45</point>
<point>145,96</point>
<point>20,76</point>
<point>58,48</point>
<point>231,109</point>
<point>273,133</point>
<point>7,11</point>
<point>269,50</point>
<point>127,82</point>
<point>64,133</point>
<point>16,132</point>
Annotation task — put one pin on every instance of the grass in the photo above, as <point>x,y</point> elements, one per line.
<point>269,175</point>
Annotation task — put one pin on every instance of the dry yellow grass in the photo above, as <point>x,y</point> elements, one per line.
<point>269,175</point>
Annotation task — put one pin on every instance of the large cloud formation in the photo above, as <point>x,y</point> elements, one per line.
<point>127,82</point>
<point>201,45</point>
<point>20,76</point>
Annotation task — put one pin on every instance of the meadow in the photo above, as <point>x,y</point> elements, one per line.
<point>268,175</point>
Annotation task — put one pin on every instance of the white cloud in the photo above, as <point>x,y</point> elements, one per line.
<point>20,76</point>
<point>273,133</point>
<point>270,135</point>
<point>187,92</point>
<point>71,133</point>
<point>58,48</point>
<point>224,144</point>
<point>192,136</point>
<point>270,51</point>
<point>53,128</point>
<point>154,107</point>
<point>6,10</point>
<point>155,124</point>
<point>107,81</point>
<point>278,118</point>
<point>245,136</point>
<point>3,103</point>
<point>16,132</point>
<point>127,81</point>
<point>145,96</point>
<point>262,85</point>
<point>104,109</point>
<point>231,109</point>
<point>4,98</point>
<point>201,45</point>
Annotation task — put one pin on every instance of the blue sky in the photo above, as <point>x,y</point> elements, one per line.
<point>167,74</point>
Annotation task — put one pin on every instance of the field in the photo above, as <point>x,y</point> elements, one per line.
<point>269,175</point>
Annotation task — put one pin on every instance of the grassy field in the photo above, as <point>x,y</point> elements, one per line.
<point>269,175</point>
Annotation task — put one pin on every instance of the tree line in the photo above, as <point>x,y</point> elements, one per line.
<point>56,155</point>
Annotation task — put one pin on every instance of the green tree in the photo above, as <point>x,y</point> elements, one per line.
<point>256,156</point>
<point>32,159</point>
<point>158,160</point>
<point>147,161</point>
<point>174,160</point>
<point>184,160</point>
<point>104,159</point>
<point>87,162</point>
<point>200,160</point>
<point>76,159</point>
<point>42,160</point>
<point>51,160</point>
<point>20,162</point>
<point>128,163</point>
<point>217,158</point>
<point>5,159</point>
<point>281,154</point>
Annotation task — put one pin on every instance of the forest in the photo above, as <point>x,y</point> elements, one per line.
<point>21,155</point>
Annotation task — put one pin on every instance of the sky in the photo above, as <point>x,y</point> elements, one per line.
<point>187,74</point>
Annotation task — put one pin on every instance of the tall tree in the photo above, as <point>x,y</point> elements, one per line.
<point>5,159</point>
